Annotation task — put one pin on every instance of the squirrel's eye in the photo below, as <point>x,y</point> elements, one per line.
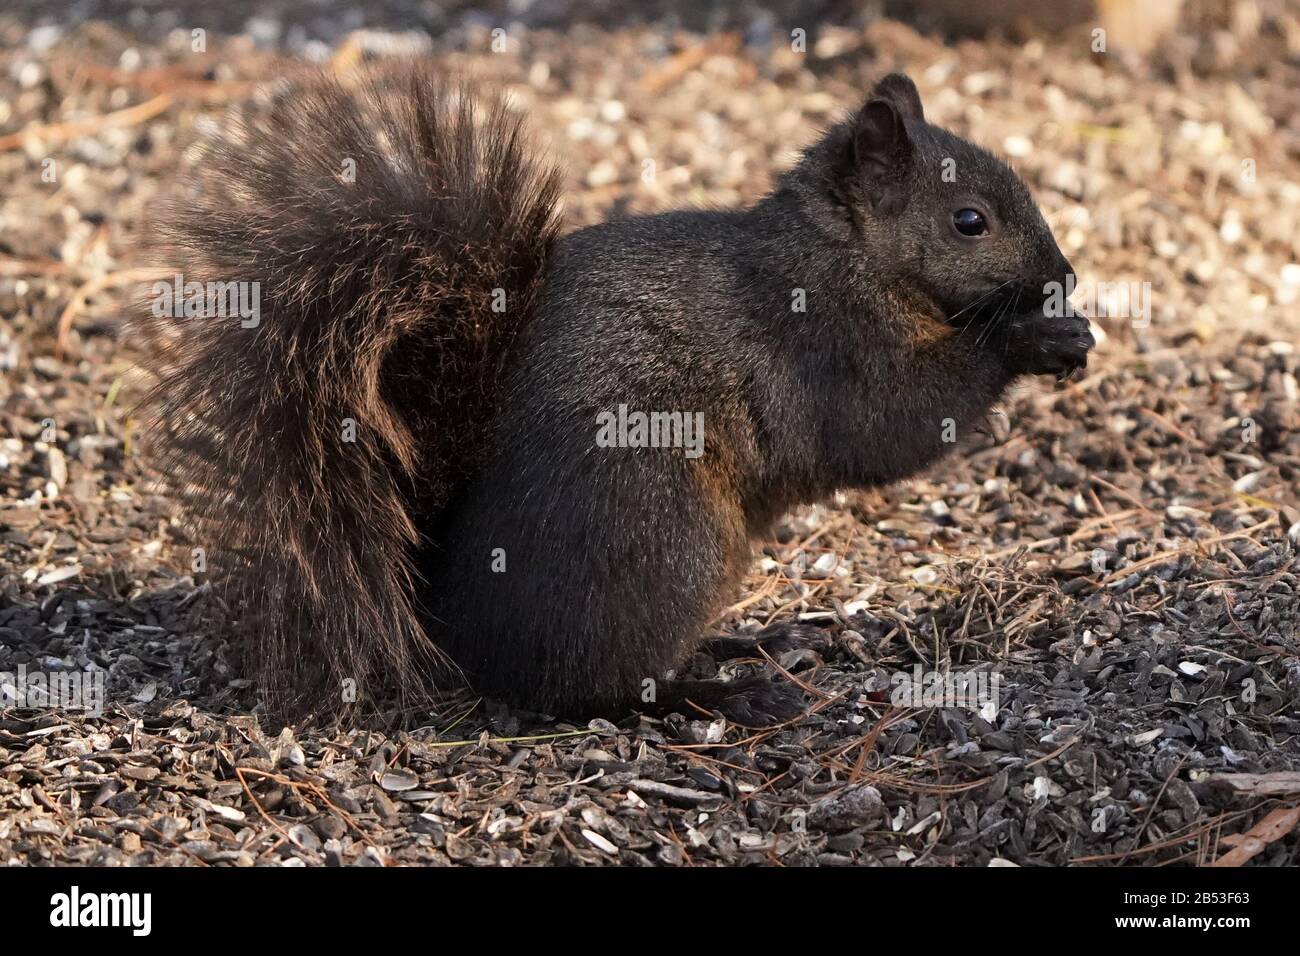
<point>970,222</point>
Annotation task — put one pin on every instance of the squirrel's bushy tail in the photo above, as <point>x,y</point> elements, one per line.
<point>398,234</point>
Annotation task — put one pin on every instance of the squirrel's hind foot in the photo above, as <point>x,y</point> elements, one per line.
<point>752,702</point>
<point>774,640</point>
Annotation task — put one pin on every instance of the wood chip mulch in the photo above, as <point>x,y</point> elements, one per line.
<point>1122,552</point>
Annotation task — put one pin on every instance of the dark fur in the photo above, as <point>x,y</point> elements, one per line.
<point>617,558</point>
<point>375,300</point>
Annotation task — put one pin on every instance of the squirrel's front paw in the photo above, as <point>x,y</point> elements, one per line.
<point>1033,345</point>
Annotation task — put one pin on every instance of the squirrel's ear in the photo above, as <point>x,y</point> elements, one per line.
<point>899,89</point>
<point>882,152</point>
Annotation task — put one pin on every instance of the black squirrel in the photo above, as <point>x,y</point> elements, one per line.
<point>399,461</point>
